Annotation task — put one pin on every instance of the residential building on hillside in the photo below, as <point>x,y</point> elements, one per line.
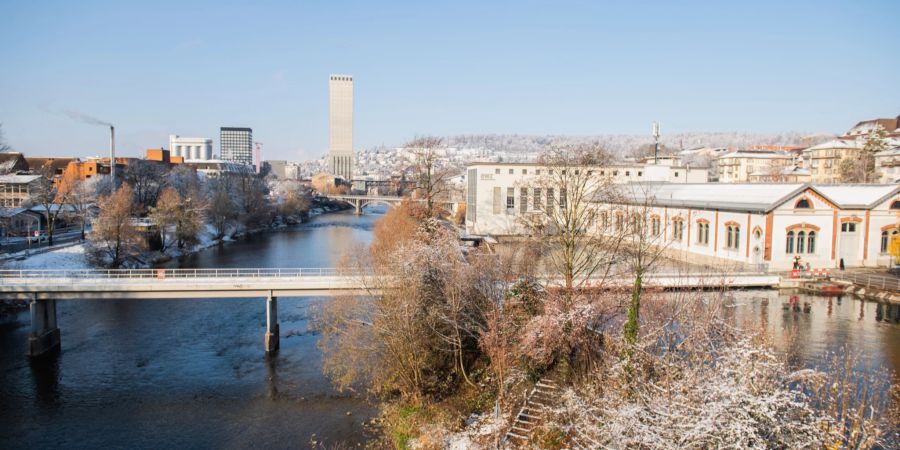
<point>236,145</point>
<point>889,125</point>
<point>16,190</point>
<point>887,165</point>
<point>769,225</point>
<point>737,166</point>
<point>340,126</point>
<point>191,148</point>
<point>824,160</point>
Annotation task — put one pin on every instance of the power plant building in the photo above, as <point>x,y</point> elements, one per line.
<point>191,148</point>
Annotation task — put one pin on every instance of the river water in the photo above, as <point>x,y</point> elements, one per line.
<point>193,374</point>
<point>187,373</point>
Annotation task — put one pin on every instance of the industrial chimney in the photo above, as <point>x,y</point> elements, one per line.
<point>112,155</point>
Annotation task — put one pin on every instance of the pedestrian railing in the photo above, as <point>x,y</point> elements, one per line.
<point>173,274</point>
<point>870,281</point>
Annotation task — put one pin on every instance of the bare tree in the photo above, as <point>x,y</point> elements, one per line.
<point>147,179</point>
<point>165,214</point>
<point>82,196</point>
<point>862,169</point>
<point>52,201</point>
<point>113,235</point>
<point>223,210</point>
<point>564,196</point>
<point>644,245</point>
<point>431,178</point>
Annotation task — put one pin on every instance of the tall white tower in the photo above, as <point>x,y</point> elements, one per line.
<point>340,124</point>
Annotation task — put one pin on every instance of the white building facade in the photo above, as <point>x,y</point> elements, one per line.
<point>768,225</point>
<point>191,148</point>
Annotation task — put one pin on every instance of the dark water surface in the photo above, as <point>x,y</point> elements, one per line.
<point>186,373</point>
<point>192,373</point>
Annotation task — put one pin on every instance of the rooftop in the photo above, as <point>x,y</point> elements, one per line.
<point>18,179</point>
<point>756,155</point>
<point>755,197</point>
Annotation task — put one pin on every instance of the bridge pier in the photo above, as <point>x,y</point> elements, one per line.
<point>358,205</point>
<point>44,336</point>
<point>272,336</point>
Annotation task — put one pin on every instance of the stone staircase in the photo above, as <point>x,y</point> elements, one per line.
<point>531,414</point>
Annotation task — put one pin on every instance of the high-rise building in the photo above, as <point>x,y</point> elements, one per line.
<point>190,148</point>
<point>236,144</point>
<point>340,124</point>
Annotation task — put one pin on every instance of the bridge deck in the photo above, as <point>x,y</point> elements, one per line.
<point>225,283</point>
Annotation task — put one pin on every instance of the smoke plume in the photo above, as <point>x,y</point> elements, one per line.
<point>82,117</point>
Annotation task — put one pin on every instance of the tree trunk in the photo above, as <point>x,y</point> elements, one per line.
<point>632,324</point>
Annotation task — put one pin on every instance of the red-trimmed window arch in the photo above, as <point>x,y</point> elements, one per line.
<point>895,204</point>
<point>677,228</point>
<point>733,233</point>
<point>702,231</point>
<point>801,238</point>
<point>803,203</point>
<point>655,225</point>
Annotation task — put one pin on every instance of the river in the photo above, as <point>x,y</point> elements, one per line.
<point>192,373</point>
<point>187,373</point>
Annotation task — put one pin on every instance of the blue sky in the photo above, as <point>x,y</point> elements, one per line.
<point>427,68</point>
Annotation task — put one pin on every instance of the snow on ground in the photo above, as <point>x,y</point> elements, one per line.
<point>64,258</point>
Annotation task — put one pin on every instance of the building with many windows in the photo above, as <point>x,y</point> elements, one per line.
<point>769,225</point>
<point>16,190</point>
<point>824,160</point>
<point>887,165</point>
<point>236,145</point>
<point>340,126</point>
<point>738,166</point>
<point>191,148</point>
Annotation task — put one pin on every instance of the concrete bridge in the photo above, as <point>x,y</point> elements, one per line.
<point>360,201</point>
<point>42,288</point>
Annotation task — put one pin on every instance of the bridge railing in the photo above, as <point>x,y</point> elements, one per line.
<point>166,274</point>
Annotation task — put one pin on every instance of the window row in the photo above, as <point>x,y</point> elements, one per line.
<point>800,243</point>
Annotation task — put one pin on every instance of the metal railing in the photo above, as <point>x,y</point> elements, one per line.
<point>168,274</point>
<point>869,281</point>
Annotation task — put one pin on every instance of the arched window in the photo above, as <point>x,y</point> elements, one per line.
<point>884,240</point>
<point>677,229</point>
<point>703,232</point>
<point>895,204</point>
<point>789,244</point>
<point>734,236</point>
<point>802,203</point>
<point>655,225</point>
<point>801,241</point>
<point>811,242</point>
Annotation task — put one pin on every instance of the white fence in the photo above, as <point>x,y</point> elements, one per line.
<point>166,274</point>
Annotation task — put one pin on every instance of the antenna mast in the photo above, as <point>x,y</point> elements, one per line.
<point>656,142</point>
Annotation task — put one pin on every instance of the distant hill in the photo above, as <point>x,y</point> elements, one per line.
<point>625,143</point>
